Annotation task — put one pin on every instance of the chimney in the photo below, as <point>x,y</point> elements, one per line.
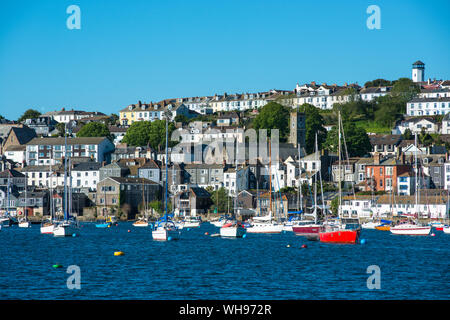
<point>313,83</point>
<point>377,158</point>
<point>103,163</point>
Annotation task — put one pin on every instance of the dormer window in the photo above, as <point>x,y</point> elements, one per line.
<point>130,107</point>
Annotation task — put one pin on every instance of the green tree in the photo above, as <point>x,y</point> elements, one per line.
<point>405,88</point>
<point>29,114</point>
<point>314,123</point>
<point>181,118</point>
<point>94,129</point>
<point>142,133</point>
<point>357,140</point>
<point>273,116</point>
<point>220,200</point>
<point>61,127</point>
<point>407,135</point>
<point>378,83</point>
<point>113,119</point>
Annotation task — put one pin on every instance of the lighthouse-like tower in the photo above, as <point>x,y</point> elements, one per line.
<point>418,71</point>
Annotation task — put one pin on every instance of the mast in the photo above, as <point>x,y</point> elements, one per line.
<point>315,187</point>
<point>339,163</point>
<point>417,169</point>
<point>65,172</point>
<point>270,181</point>
<point>51,192</point>
<point>299,180</point>
<point>167,162</point>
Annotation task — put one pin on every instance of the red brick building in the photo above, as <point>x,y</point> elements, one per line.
<point>381,175</point>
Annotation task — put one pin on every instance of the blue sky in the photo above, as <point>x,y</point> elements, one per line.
<point>149,50</point>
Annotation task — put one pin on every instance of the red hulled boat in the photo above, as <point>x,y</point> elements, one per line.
<point>339,236</point>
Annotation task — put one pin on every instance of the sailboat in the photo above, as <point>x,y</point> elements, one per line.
<point>412,228</point>
<point>233,228</point>
<point>23,222</point>
<point>5,220</point>
<point>65,228</point>
<point>338,233</point>
<point>305,227</point>
<point>47,226</point>
<point>142,221</point>
<point>265,224</point>
<point>165,229</point>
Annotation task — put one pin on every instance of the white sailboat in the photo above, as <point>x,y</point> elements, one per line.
<point>67,227</point>
<point>142,221</point>
<point>23,222</point>
<point>265,224</point>
<point>165,229</point>
<point>413,228</point>
<point>47,226</point>
<point>5,219</point>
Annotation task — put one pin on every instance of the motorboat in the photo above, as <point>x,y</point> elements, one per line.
<point>165,231</point>
<point>411,229</point>
<point>141,222</point>
<point>232,229</point>
<point>192,222</point>
<point>64,229</point>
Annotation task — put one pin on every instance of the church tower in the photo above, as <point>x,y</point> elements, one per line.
<point>418,71</point>
<point>297,129</point>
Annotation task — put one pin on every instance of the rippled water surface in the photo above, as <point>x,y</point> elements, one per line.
<point>202,267</point>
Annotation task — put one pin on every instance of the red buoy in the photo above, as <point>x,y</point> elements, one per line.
<point>206,233</point>
<point>304,246</point>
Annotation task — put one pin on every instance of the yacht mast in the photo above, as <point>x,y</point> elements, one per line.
<point>315,187</point>
<point>339,163</point>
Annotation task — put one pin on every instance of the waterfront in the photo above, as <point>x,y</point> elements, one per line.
<point>203,267</point>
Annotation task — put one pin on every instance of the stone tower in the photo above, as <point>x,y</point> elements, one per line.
<point>297,128</point>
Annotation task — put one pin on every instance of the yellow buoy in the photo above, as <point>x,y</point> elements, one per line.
<point>118,253</point>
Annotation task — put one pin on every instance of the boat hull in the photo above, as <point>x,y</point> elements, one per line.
<point>308,230</point>
<point>25,224</point>
<point>103,225</point>
<point>47,229</point>
<point>369,225</point>
<point>232,232</point>
<point>411,230</point>
<point>164,235</point>
<point>446,230</point>
<point>278,228</point>
<point>383,228</point>
<point>339,236</point>
<point>192,224</point>
<point>142,224</point>
<point>63,231</point>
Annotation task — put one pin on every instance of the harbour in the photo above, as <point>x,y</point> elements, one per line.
<point>199,266</point>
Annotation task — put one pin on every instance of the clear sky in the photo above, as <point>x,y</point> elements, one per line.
<point>149,50</point>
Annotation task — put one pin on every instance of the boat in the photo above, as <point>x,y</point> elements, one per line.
<point>370,225</point>
<point>164,228</point>
<point>383,227</point>
<point>47,227</point>
<point>446,229</point>
<point>24,223</point>
<point>221,221</point>
<point>266,224</point>
<point>308,228</point>
<point>109,222</point>
<point>68,226</point>
<point>412,228</point>
<point>232,229</point>
<point>141,222</point>
<point>64,229</point>
<point>192,222</point>
<point>334,234</point>
<point>343,232</point>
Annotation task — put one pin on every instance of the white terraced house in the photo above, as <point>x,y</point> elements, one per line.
<point>46,151</point>
<point>428,106</point>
